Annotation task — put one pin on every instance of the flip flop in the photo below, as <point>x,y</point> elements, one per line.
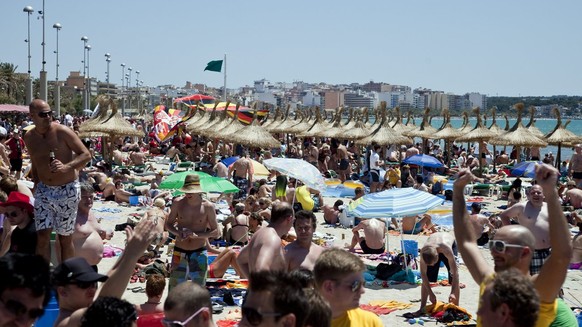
<point>138,289</point>
<point>134,289</point>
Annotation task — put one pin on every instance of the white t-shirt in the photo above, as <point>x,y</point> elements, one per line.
<point>374,158</point>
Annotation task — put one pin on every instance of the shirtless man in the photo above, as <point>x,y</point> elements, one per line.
<point>479,223</point>
<point>108,190</point>
<point>57,192</point>
<point>264,251</point>
<point>574,196</point>
<point>302,253</point>
<point>193,221</point>
<point>312,154</point>
<point>238,232</point>
<point>373,240</point>
<point>157,214</point>
<point>88,236</point>
<point>241,172</point>
<point>221,169</point>
<point>575,165</point>
<point>412,151</point>
<point>138,158</point>
<point>533,215</point>
<point>344,162</point>
<point>415,225</point>
<point>439,247</point>
<point>331,214</point>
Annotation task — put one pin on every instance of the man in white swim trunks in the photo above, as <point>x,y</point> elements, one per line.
<point>55,172</point>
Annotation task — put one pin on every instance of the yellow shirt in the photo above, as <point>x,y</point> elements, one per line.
<point>303,196</point>
<point>394,175</point>
<point>547,313</point>
<point>357,318</point>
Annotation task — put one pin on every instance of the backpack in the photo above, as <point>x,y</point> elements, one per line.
<point>385,270</point>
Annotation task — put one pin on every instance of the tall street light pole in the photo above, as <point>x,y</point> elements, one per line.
<point>108,60</point>
<point>57,96</point>
<point>122,95</point>
<point>85,40</point>
<point>43,78</point>
<point>129,88</point>
<point>137,85</point>
<point>28,10</point>
<point>88,78</point>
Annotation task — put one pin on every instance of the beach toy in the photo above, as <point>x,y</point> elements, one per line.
<point>416,321</point>
<point>353,184</point>
<point>332,181</point>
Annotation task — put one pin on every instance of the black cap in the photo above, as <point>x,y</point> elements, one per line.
<point>76,269</point>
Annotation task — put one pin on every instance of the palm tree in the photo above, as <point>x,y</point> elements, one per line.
<point>8,83</point>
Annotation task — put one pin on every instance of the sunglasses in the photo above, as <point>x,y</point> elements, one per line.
<point>12,214</point>
<point>355,285</point>
<point>85,285</point>
<point>18,309</point>
<point>175,323</point>
<point>261,203</point>
<point>44,114</point>
<point>500,246</point>
<point>254,317</point>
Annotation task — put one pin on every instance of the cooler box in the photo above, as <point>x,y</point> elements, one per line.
<point>410,247</point>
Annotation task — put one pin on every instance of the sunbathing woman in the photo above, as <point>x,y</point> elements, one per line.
<point>226,258</point>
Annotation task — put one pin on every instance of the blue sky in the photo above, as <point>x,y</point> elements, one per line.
<point>494,47</point>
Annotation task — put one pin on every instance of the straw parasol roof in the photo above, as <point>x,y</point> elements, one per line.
<point>384,135</point>
<point>198,124</point>
<point>518,135</point>
<point>360,130</point>
<point>218,123</point>
<point>272,120</point>
<point>254,135</point>
<point>480,132</point>
<point>101,115</point>
<point>560,135</point>
<point>447,132</point>
<point>203,129</point>
<point>425,130</point>
<point>303,125</point>
<point>494,127</point>
<point>410,122</point>
<point>287,122</point>
<point>115,124</point>
<point>398,126</point>
<point>227,133</point>
<point>335,127</point>
<point>531,126</point>
<point>317,125</point>
<point>276,123</point>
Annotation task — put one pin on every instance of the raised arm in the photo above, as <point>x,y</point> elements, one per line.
<point>553,272</point>
<point>478,267</point>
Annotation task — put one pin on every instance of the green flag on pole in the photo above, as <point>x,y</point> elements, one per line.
<point>214,66</point>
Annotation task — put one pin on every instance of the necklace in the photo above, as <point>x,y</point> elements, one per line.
<point>148,302</point>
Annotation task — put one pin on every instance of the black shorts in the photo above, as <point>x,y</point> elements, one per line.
<point>433,271</point>
<point>535,158</point>
<point>344,164</point>
<point>15,164</point>
<point>374,176</point>
<point>367,250</point>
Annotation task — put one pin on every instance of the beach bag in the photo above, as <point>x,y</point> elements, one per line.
<point>449,195</point>
<point>385,270</point>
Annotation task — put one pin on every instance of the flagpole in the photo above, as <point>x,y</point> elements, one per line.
<point>224,89</point>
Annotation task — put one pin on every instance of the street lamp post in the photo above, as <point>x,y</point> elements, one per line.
<point>43,78</point>
<point>57,96</point>
<point>127,90</point>
<point>84,39</point>
<point>108,60</point>
<point>28,10</point>
<point>122,95</point>
<point>88,47</point>
<point>128,85</point>
<point>137,85</point>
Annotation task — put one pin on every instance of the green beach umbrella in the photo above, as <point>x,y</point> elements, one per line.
<point>208,183</point>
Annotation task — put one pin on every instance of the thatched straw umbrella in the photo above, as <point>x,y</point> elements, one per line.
<point>203,129</point>
<point>481,134</point>
<point>498,130</point>
<point>384,135</point>
<point>317,126</point>
<point>360,130</point>
<point>254,135</point>
<point>195,126</point>
<point>560,135</point>
<point>226,133</point>
<point>272,120</point>
<point>447,133</point>
<point>410,122</point>
<point>518,135</point>
<point>335,127</point>
<point>304,124</point>
<point>219,122</point>
<point>531,126</point>
<point>287,122</point>
<point>425,131</point>
<point>398,126</point>
<point>102,113</point>
<point>276,123</point>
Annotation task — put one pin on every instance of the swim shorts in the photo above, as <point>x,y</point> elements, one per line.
<point>374,176</point>
<point>368,250</point>
<point>344,164</point>
<point>16,164</point>
<point>538,259</point>
<point>432,272</point>
<point>242,184</point>
<point>56,207</point>
<point>189,265</point>
<point>417,229</point>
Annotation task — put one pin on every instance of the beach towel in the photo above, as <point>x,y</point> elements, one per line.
<point>447,312</point>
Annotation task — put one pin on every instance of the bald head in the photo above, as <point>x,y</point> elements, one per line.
<point>516,234</point>
<point>37,105</point>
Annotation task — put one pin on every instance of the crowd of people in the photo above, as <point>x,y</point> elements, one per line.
<point>269,232</point>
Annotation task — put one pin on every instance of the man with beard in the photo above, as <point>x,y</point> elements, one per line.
<point>513,246</point>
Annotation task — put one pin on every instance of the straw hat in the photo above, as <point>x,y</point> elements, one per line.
<point>192,184</point>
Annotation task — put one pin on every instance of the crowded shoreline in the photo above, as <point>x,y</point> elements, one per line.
<point>126,188</point>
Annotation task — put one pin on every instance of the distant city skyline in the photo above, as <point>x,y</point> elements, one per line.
<point>497,48</point>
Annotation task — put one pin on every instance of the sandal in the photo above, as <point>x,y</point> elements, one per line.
<point>133,278</point>
<point>138,289</point>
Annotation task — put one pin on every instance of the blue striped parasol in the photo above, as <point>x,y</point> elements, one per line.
<point>394,203</point>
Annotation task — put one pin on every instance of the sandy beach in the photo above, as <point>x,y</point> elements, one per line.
<point>111,213</point>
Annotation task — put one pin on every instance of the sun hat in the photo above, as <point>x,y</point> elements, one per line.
<point>20,200</point>
<point>191,184</point>
<point>76,269</point>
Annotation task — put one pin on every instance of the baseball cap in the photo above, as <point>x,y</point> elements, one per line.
<point>76,269</point>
